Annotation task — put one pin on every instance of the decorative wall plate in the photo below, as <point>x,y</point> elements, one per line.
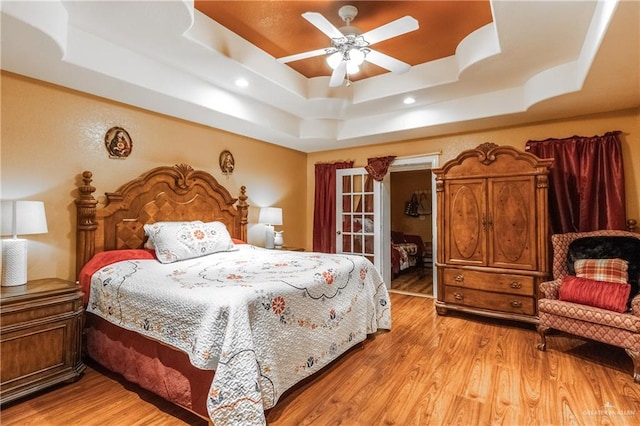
<point>227,163</point>
<point>118,142</point>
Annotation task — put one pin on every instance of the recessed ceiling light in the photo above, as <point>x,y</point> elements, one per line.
<point>409,100</point>
<point>241,82</point>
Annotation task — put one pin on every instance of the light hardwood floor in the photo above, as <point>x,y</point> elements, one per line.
<point>429,370</point>
<point>413,282</point>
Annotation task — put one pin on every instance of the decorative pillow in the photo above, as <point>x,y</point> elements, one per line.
<point>609,270</point>
<point>600,294</point>
<point>608,247</point>
<point>149,243</point>
<point>188,240</point>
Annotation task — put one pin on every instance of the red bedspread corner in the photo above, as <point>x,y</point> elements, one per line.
<point>102,259</point>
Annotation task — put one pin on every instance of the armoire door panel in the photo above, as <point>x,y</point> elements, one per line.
<point>465,234</point>
<point>512,233</point>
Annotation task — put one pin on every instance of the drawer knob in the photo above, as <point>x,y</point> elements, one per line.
<point>515,284</point>
<point>458,278</point>
<point>458,296</point>
<point>516,304</point>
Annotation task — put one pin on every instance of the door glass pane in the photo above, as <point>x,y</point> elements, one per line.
<point>368,244</point>
<point>368,203</point>
<point>346,203</point>
<point>357,183</point>
<point>346,243</point>
<point>357,244</point>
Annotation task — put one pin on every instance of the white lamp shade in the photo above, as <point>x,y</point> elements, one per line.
<point>23,218</point>
<point>270,215</point>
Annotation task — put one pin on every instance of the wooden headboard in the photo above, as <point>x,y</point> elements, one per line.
<point>177,193</point>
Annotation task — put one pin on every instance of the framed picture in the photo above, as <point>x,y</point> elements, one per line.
<point>118,142</point>
<point>227,163</point>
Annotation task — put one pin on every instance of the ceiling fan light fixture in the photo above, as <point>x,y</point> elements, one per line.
<point>352,68</point>
<point>356,56</point>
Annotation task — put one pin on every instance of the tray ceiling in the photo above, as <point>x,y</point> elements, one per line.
<point>476,65</point>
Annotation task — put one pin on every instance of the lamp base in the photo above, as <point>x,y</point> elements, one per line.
<point>14,261</point>
<point>278,240</point>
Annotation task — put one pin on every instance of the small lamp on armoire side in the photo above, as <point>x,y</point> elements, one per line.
<point>270,216</point>
<point>19,218</point>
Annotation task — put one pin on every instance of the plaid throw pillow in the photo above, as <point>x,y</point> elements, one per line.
<point>609,270</point>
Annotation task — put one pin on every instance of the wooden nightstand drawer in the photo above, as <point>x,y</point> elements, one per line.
<point>21,314</point>
<point>40,336</point>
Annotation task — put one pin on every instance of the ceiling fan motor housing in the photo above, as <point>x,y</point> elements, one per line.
<point>347,13</point>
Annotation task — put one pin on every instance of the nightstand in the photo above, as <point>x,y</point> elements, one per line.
<point>40,336</point>
<point>292,248</point>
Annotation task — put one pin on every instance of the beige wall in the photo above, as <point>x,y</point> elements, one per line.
<point>51,134</point>
<point>449,146</point>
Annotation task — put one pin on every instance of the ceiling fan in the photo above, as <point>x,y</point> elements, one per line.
<point>350,48</point>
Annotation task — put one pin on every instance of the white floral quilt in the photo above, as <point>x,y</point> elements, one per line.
<point>263,319</point>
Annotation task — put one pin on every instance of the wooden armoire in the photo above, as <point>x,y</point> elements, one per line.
<point>492,232</point>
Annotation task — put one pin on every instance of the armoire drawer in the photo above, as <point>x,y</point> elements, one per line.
<point>488,300</point>
<point>490,281</point>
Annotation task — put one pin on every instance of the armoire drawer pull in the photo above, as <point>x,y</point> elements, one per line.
<point>516,304</point>
<point>458,278</point>
<point>458,296</point>
<point>515,284</point>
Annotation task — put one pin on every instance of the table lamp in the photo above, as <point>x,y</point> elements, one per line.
<point>270,216</point>
<point>19,218</point>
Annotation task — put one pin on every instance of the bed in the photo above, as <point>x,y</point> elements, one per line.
<point>407,252</point>
<point>201,318</point>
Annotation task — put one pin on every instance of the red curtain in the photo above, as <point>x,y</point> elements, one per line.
<point>324,214</point>
<point>586,182</point>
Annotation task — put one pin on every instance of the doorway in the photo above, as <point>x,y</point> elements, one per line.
<point>411,232</point>
<point>418,168</point>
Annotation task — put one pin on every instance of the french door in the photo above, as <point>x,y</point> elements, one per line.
<point>359,209</point>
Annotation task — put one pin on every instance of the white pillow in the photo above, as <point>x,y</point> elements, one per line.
<point>149,243</point>
<point>176,242</point>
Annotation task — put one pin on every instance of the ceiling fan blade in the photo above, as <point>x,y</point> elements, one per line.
<point>337,77</point>
<point>321,23</point>
<point>395,28</point>
<point>303,55</point>
<point>387,62</point>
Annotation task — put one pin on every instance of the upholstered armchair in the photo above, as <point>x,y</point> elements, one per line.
<point>576,310</point>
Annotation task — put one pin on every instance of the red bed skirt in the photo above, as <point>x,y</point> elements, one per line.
<point>151,365</point>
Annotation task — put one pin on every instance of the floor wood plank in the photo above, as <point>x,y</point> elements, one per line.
<point>429,370</point>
